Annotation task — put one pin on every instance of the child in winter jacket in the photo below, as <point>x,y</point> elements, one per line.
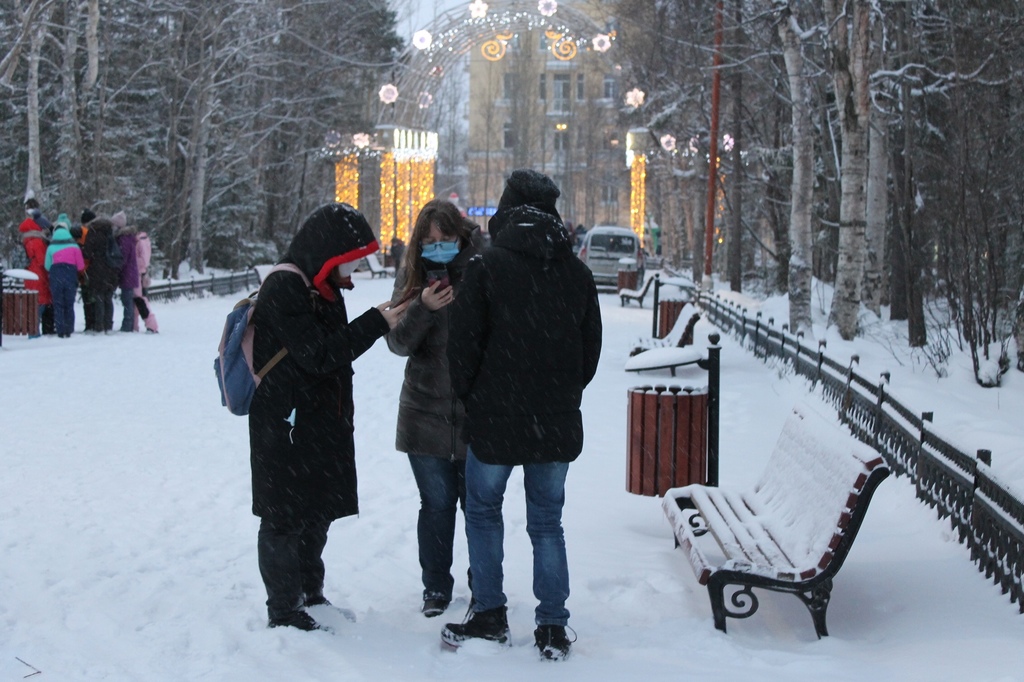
<point>143,253</point>
<point>64,263</point>
<point>34,237</point>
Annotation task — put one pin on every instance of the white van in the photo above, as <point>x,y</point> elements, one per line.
<point>603,247</point>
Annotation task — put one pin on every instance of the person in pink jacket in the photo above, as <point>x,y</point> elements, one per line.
<point>143,253</point>
<point>65,264</point>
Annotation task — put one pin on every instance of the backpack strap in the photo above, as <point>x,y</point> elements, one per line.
<point>279,356</point>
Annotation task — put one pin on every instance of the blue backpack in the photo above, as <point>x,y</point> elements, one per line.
<point>235,375</point>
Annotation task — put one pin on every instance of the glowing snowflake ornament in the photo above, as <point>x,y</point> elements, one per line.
<point>635,98</point>
<point>422,39</point>
<point>728,142</point>
<point>425,100</point>
<point>547,7</point>
<point>361,140</point>
<point>332,138</point>
<point>668,143</point>
<point>602,42</point>
<point>477,9</point>
<point>388,94</point>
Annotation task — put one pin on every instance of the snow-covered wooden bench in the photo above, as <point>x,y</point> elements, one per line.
<point>792,531</point>
<point>376,269</point>
<point>674,351</point>
<point>638,295</point>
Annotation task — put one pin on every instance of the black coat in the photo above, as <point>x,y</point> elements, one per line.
<point>102,277</point>
<point>430,417</point>
<point>309,471</point>
<point>525,340</point>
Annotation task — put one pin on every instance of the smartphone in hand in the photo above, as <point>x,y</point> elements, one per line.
<point>434,276</point>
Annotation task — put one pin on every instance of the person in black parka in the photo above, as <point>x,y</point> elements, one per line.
<point>300,420</point>
<point>524,342</point>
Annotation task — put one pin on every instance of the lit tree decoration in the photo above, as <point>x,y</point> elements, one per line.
<point>547,7</point>
<point>693,145</point>
<point>425,100</point>
<point>361,140</point>
<point>728,142</point>
<point>388,94</point>
<point>477,9</point>
<point>422,39</point>
<point>634,98</point>
<point>602,43</point>
<point>668,143</point>
<point>332,138</point>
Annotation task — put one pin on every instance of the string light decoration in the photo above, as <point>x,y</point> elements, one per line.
<point>494,50</point>
<point>602,42</point>
<point>477,9</point>
<point>668,143</point>
<point>388,93</point>
<point>635,98</point>
<point>421,39</point>
<point>406,179</point>
<point>636,159</point>
<point>547,7</point>
<point>346,180</point>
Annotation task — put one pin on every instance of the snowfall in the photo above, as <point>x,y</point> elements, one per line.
<point>128,547</point>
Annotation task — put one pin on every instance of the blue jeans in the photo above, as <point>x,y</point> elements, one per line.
<point>63,287</point>
<point>485,530</point>
<point>442,485</point>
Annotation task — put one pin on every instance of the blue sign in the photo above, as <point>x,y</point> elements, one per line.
<point>477,211</point>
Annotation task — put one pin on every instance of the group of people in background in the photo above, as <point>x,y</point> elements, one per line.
<point>500,343</point>
<point>96,256</point>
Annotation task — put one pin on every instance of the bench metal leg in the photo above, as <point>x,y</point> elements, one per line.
<point>743,599</point>
<point>816,601</point>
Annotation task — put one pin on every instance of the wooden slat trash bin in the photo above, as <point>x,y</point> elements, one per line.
<point>627,279</point>
<point>668,314</point>
<point>668,439</point>
<point>21,312</point>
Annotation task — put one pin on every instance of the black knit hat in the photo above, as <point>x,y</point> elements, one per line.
<point>525,187</point>
<point>87,217</point>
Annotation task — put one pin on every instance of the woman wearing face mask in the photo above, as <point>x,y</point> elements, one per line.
<point>300,421</point>
<point>429,416</point>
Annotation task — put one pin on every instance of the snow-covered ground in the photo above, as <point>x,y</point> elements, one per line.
<point>127,546</point>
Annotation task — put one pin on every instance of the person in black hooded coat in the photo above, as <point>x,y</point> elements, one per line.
<point>524,342</point>
<point>300,421</point>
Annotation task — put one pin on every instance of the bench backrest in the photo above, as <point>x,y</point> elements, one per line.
<point>373,263</point>
<point>811,485</point>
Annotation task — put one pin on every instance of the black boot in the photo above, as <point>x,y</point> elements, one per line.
<point>297,619</point>
<point>552,642</point>
<point>490,625</point>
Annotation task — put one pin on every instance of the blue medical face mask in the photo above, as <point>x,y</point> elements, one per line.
<point>440,252</point>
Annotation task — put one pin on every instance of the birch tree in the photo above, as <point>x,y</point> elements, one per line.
<point>802,192</point>
<point>848,24</point>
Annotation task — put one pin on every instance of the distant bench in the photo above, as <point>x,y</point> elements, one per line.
<point>792,531</point>
<point>376,269</point>
<point>636,294</point>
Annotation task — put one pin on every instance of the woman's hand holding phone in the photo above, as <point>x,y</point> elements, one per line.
<point>438,294</point>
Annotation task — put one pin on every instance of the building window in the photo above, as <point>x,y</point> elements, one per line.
<point>562,89</point>
<point>580,90</point>
<point>609,195</point>
<point>543,86</point>
<point>611,88</point>
<point>561,140</point>
<point>509,140</point>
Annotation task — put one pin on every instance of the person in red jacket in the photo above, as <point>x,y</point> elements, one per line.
<point>35,238</point>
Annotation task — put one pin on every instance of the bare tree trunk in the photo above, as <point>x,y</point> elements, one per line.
<point>35,175</point>
<point>92,45</point>
<point>800,213</point>
<point>736,229</point>
<point>849,39</point>
<point>877,193</point>
<point>10,60</point>
<point>70,136</point>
